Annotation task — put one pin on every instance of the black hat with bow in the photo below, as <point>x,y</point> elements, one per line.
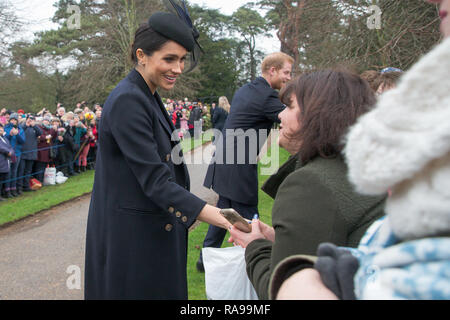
<point>177,26</point>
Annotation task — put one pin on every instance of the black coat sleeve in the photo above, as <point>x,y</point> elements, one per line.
<point>272,107</point>
<point>132,122</point>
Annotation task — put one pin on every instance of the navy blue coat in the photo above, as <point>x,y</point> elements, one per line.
<point>29,148</point>
<point>5,149</point>
<point>141,207</point>
<point>254,106</point>
<point>219,118</point>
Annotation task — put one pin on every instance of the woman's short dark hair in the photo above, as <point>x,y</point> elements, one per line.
<point>148,40</point>
<point>330,103</point>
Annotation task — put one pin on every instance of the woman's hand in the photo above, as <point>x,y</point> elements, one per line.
<point>242,238</point>
<point>268,232</point>
<point>211,215</point>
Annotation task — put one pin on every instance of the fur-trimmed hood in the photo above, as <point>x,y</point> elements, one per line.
<point>404,145</point>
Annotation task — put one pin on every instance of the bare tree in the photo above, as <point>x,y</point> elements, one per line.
<point>326,33</point>
<point>9,24</point>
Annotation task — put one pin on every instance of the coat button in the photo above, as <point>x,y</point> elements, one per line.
<point>171,210</point>
<point>169,227</point>
<point>184,219</point>
<point>178,214</point>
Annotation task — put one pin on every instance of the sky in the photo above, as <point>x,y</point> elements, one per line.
<point>37,15</point>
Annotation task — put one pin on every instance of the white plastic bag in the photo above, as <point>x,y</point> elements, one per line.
<point>225,274</point>
<point>49,176</point>
<point>60,178</point>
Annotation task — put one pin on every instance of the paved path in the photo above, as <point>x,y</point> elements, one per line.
<point>41,254</point>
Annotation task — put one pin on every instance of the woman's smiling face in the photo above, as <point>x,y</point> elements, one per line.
<point>162,68</point>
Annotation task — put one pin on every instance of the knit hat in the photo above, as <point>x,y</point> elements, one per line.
<point>14,116</point>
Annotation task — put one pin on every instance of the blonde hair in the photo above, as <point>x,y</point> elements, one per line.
<point>224,104</point>
<point>276,60</point>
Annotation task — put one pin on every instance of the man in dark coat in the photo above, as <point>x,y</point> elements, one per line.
<point>255,108</point>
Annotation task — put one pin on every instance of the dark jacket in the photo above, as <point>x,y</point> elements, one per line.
<point>29,148</point>
<point>5,149</point>
<point>219,118</point>
<point>255,106</point>
<point>314,203</point>
<point>141,208</point>
<point>64,149</point>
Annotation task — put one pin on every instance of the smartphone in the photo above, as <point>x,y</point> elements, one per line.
<point>236,220</point>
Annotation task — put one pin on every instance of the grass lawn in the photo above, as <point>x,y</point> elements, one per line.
<point>49,196</point>
<point>196,280</point>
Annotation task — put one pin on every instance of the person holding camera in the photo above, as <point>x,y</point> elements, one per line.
<point>16,138</point>
<point>29,151</point>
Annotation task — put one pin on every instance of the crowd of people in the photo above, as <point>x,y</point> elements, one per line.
<point>194,117</point>
<point>32,142</point>
<point>67,140</point>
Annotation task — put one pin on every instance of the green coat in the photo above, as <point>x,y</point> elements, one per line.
<point>314,203</point>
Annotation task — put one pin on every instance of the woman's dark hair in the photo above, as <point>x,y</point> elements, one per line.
<point>371,76</point>
<point>330,103</point>
<point>148,40</point>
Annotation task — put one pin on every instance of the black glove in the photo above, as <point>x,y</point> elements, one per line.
<point>337,268</point>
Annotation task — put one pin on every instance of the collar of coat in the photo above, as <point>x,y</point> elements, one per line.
<point>273,183</point>
<point>163,116</point>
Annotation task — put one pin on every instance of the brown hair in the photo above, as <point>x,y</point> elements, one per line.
<point>330,102</point>
<point>388,79</point>
<point>371,76</point>
<point>276,60</point>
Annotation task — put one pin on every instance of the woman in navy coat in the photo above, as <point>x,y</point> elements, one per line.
<point>141,208</point>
